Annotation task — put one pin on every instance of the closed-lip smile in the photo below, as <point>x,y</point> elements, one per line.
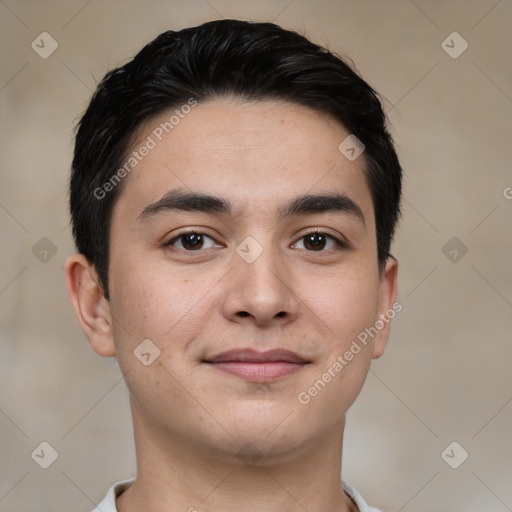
<point>255,366</point>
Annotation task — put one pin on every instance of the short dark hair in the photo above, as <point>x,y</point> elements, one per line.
<point>248,60</point>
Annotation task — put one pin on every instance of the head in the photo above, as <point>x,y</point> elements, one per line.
<point>235,132</point>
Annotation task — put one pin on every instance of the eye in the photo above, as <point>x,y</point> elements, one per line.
<point>191,241</point>
<point>319,241</point>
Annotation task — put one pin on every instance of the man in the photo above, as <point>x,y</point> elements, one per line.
<point>234,195</point>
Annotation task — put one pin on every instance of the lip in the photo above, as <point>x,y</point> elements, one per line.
<point>253,356</point>
<point>255,366</point>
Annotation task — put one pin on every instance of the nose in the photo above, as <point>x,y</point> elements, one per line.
<point>260,292</point>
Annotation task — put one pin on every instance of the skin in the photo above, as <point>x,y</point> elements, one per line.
<point>191,420</point>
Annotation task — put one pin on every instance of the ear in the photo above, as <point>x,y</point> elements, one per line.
<point>387,308</point>
<point>91,307</point>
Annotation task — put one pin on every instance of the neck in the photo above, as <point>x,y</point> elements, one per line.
<point>175,474</point>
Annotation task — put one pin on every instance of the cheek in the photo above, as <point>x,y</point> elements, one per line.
<point>345,309</point>
<point>147,304</point>
<point>347,303</point>
<point>148,301</point>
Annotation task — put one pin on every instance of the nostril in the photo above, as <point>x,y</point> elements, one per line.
<point>243,313</point>
<point>281,313</point>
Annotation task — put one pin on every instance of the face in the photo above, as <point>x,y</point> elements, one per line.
<point>258,264</point>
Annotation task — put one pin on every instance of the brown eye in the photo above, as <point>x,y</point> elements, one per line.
<point>319,242</point>
<point>191,241</point>
<point>315,241</point>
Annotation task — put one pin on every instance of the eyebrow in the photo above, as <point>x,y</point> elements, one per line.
<point>178,199</point>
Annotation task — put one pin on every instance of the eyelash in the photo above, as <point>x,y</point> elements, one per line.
<point>340,244</point>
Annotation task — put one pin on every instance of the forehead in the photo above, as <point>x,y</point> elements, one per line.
<point>257,154</point>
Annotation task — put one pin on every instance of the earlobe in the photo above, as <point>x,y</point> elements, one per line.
<point>91,307</point>
<point>387,298</point>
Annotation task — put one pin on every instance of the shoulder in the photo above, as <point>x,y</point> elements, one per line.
<point>108,503</point>
<point>358,499</point>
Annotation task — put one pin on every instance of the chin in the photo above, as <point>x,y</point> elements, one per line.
<point>271,440</point>
<point>251,451</point>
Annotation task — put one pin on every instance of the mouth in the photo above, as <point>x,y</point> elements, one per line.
<point>255,366</point>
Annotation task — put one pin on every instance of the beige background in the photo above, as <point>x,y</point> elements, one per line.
<point>446,374</point>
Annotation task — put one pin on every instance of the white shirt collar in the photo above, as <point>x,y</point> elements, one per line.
<point>108,504</point>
